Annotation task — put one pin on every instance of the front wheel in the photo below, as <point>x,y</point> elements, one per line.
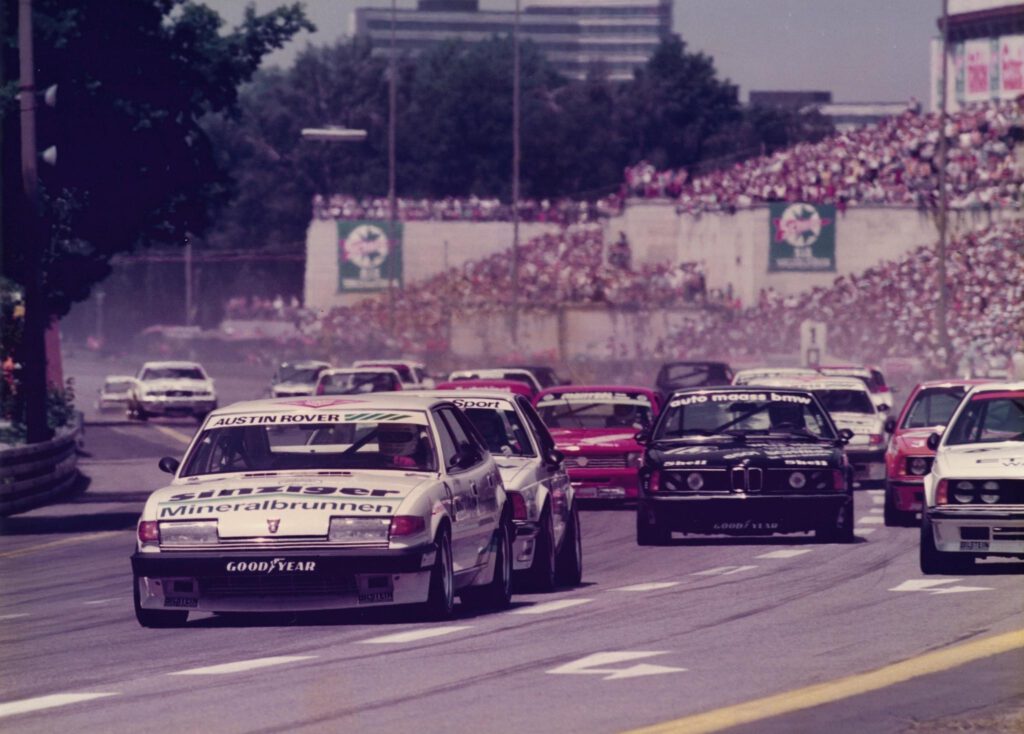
<point>650,529</point>
<point>541,574</point>
<point>156,618</point>
<point>440,602</point>
<point>841,531</point>
<point>569,564</point>
<point>934,561</point>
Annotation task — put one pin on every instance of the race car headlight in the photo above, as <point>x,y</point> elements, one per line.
<point>358,529</point>
<point>798,480</point>
<point>918,466</point>
<point>694,481</point>
<point>188,533</point>
<point>990,493</point>
<point>963,492</point>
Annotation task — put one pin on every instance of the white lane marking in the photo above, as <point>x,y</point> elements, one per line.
<point>878,499</point>
<point>876,492</point>
<point>866,531</point>
<point>871,520</point>
<point>792,553</point>
<point>932,586</point>
<point>243,665</point>
<point>650,586</point>
<point>13,616</point>
<point>47,702</point>
<point>596,664</point>
<point>551,606</point>
<point>876,511</point>
<point>723,571</point>
<point>97,602</point>
<point>414,635</point>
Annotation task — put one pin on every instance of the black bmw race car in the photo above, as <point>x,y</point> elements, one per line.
<point>744,461</point>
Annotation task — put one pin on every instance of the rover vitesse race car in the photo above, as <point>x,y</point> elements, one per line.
<point>326,503</point>
<point>744,461</point>
<point>171,389</point>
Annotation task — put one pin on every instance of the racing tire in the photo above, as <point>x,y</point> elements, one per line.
<point>540,576</point>
<point>156,618</point>
<point>651,530</point>
<point>934,561</point>
<point>841,531</point>
<point>897,518</point>
<point>569,563</point>
<point>497,594</point>
<point>440,603</point>
<point>137,412</point>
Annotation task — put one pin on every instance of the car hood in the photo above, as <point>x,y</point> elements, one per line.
<point>293,388</point>
<point>585,441</point>
<point>766,456</point>
<point>301,504</point>
<point>914,440</point>
<point>998,460</point>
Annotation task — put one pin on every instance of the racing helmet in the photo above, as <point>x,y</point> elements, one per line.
<point>398,439</point>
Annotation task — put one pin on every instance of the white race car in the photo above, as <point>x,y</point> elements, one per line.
<point>974,495</point>
<point>171,388</point>
<point>296,378</point>
<point>499,373</point>
<point>326,503</point>
<point>548,548</point>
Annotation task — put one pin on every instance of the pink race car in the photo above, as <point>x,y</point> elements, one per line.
<point>595,427</point>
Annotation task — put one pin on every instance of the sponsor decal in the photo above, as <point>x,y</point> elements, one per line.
<point>589,397</point>
<point>274,565</point>
<point>299,418</point>
<point>490,404</point>
<point>273,524</point>
<point>683,463</point>
<point>746,525</point>
<point>740,455</point>
<point>282,489</point>
<point>805,462</point>
<point>318,403</point>
<point>687,450</point>
<point>274,506</point>
<point>803,237</point>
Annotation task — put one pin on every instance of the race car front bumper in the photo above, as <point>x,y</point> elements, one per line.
<point>745,514</point>
<point>177,406</point>
<point>868,464</point>
<point>907,493</point>
<point>282,581</point>
<point>981,531</point>
<point>605,484</point>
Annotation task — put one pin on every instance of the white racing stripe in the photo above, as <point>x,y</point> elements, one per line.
<point>47,702</point>
<point>784,553</point>
<point>243,665</point>
<point>551,606</point>
<point>651,586</point>
<point>416,635</point>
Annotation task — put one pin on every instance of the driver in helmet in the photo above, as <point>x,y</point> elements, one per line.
<point>404,444</point>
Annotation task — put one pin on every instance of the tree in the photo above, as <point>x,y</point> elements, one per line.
<point>135,166</point>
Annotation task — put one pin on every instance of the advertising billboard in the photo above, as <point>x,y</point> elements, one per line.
<point>368,259</point>
<point>802,238</point>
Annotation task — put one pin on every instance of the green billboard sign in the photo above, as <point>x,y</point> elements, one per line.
<point>802,238</point>
<point>368,259</point>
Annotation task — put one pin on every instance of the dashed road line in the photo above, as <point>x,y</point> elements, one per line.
<point>13,616</point>
<point>871,520</point>
<point>98,602</point>
<point>416,635</point>
<point>937,586</point>
<point>876,511</point>
<point>876,492</point>
<point>878,499</point>
<point>723,571</point>
<point>650,586</point>
<point>47,702</point>
<point>57,543</point>
<point>244,665</point>
<point>866,531</point>
<point>551,606</point>
<point>791,553</point>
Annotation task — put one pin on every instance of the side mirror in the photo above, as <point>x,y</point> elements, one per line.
<point>169,464</point>
<point>890,425</point>
<point>555,457</point>
<point>845,435</point>
<point>642,437</point>
<point>933,441</point>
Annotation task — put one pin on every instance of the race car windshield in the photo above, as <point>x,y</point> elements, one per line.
<point>687,375</point>
<point>173,373</point>
<point>351,383</point>
<point>300,375</point>
<point>568,411</point>
<point>990,419</point>
<point>117,386</point>
<point>933,407</point>
<point>845,401</point>
<point>502,431</point>
<point>705,415</point>
<point>312,447</point>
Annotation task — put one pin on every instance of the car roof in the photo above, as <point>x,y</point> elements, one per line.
<point>386,362</point>
<point>303,405</point>
<point>1017,386</point>
<point>597,388</point>
<point>305,363</point>
<point>967,382</point>
<point>170,363</point>
<point>359,371</point>
<point>470,394</point>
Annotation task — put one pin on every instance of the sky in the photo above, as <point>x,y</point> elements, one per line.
<point>860,50</point>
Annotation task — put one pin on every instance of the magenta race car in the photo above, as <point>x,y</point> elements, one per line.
<point>595,427</point>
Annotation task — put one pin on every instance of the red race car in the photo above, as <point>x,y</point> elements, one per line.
<point>929,407</point>
<point>595,427</point>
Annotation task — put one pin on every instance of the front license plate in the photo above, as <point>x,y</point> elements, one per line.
<point>376,597</point>
<point>974,545</point>
<point>181,601</point>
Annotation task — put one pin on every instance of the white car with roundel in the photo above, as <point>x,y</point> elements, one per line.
<point>326,503</point>
<point>171,389</point>
<point>974,494</point>
<point>548,548</point>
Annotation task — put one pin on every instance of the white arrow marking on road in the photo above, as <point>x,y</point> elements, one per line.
<point>871,520</point>
<point>784,553</point>
<point>596,664</point>
<point>723,571</point>
<point>551,606</point>
<point>651,586</point>
<point>244,665</point>
<point>931,586</point>
<point>415,635</point>
<point>47,702</point>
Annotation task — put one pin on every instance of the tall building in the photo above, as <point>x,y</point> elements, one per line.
<point>615,35</point>
<point>986,53</point>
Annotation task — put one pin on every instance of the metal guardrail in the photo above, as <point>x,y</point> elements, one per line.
<point>32,475</point>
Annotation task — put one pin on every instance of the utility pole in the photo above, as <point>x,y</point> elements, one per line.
<point>515,179</point>
<point>941,317</point>
<point>392,204</point>
<point>33,348</point>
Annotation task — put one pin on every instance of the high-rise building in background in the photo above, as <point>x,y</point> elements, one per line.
<point>615,36</point>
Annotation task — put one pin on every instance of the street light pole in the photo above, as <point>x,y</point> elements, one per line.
<point>941,317</point>
<point>515,178</point>
<point>392,214</point>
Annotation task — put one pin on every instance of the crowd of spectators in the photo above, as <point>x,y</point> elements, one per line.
<point>257,308</point>
<point>894,162</point>
<point>466,209</point>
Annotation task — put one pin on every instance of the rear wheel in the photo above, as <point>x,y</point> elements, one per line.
<point>650,529</point>
<point>498,593</point>
<point>934,561</point>
<point>541,574</point>
<point>441,599</point>
<point>156,618</point>
<point>137,412</point>
<point>569,564</point>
